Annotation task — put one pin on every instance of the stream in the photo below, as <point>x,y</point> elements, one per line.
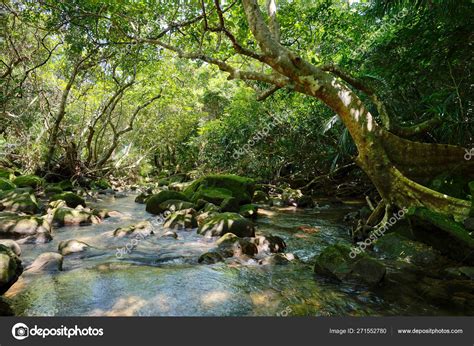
<point>161,276</point>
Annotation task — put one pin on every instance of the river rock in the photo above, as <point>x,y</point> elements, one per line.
<point>215,188</point>
<point>10,268</point>
<point>229,245</point>
<point>223,223</point>
<point>278,259</point>
<point>72,200</point>
<point>25,229</point>
<point>210,258</point>
<point>142,198</point>
<point>153,203</point>
<point>335,262</point>
<point>65,216</point>
<point>230,204</point>
<point>249,211</point>
<point>47,262</point>
<point>12,245</point>
<point>183,219</point>
<point>19,201</point>
<point>144,228</point>
<point>269,243</point>
<point>28,181</point>
<point>170,234</point>
<point>175,205</point>
<point>67,247</point>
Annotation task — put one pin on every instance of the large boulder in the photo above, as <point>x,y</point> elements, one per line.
<point>72,200</point>
<point>67,247</point>
<point>6,184</point>
<point>153,202</point>
<point>335,262</point>
<point>47,262</point>
<point>216,188</point>
<point>25,229</point>
<point>18,200</point>
<point>144,228</point>
<point>28,181</point>
<point>223,223</point>
<point>10,268</point>
<point>183,219</point>
<point>230,204</point>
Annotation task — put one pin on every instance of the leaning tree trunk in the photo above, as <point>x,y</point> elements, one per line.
<point>393,164</point>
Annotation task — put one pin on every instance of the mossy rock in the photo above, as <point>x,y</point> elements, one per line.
<point>443,233</point>
<point>18,200</point>
<point>65,216</point>
<point>144,228</point>
<point>72,200</point>
<point>10,268</point>
<point>52,189</point>
<point>229,245</point>
<point>29,181</point>
<point>175,205</point>
<point>30,229</point>
<point>142,198</point>
<point>184,219</point>
<point>335,262</point>
<point>214,195</point>
<point>153,202</point>
<point>6,184</point>
<point>210,258</point>
<point>239,187</point>
<point>249,211</point>
<point>223,223</point>
<point>230,204</point>
<point>71,246</point>
<point>66,185</point>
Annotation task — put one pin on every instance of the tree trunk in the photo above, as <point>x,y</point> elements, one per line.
<point>388,160</point>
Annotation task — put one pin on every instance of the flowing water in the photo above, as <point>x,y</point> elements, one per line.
<point>161,276</point>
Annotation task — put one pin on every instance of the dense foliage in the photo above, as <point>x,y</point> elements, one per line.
<point>78,99</point>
